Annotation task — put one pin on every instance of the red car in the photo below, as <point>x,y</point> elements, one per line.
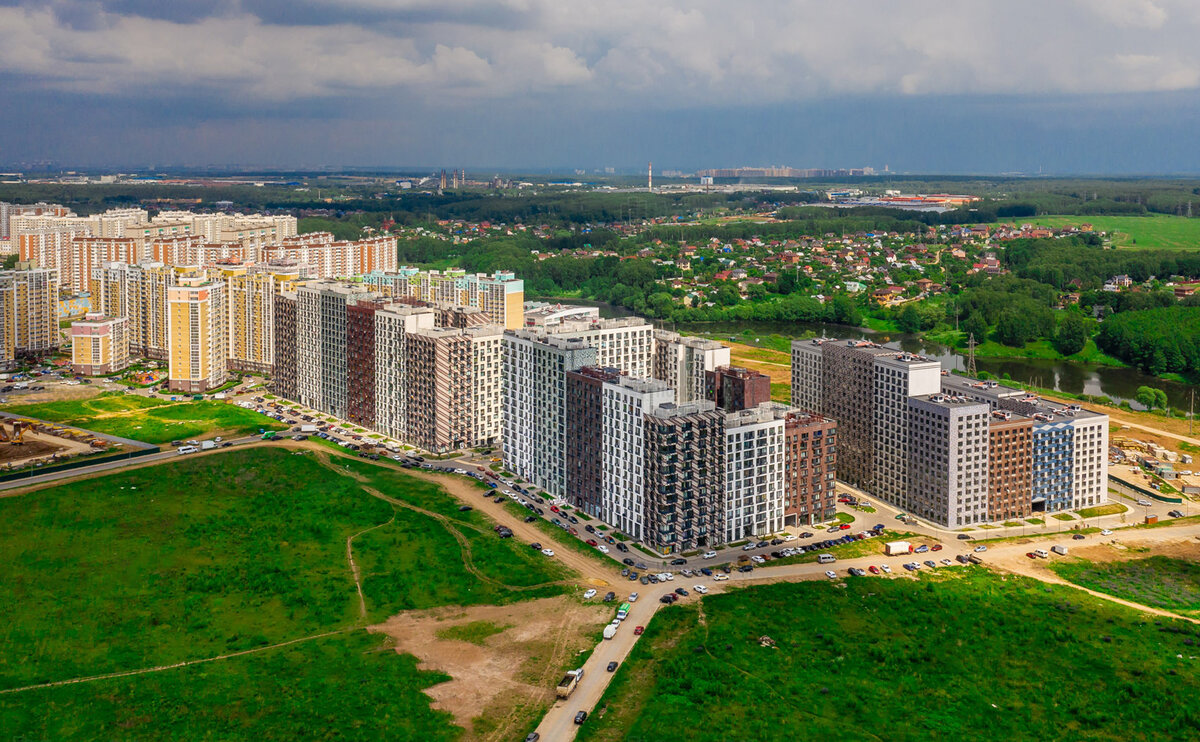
<point>591,542</point>
<point>554,508</point>
<point>638,630</point>
<point>873,569</point>
<point>935,547</point>
<point>1031,555</point>
<point>845,526</point>
<point>574,532</point>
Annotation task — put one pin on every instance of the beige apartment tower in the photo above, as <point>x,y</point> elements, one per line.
<point>99,345</point>
<point>28,313</point>
<point>196,332</point>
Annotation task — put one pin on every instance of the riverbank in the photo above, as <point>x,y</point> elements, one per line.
<point>1038,349</point>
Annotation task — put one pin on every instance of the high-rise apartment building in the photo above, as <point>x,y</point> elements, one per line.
<point>684,363</point>
<point>197,340</point>
<point>625,406</point>
<point>439,389</point>
<point>584,419</point>
<point>99,345</point>
<point>335,259</point>
<point>394,324</point>
<point>283,369</point>
<point>847,382</point>
<point>321,364</point>
<point>360,361</point>
<point>808,361</point>
<point>28,313</point>
<point>685,477</point>
<point>809,468</point>
<point>754,471</point>
<point>534,407</point>
<point>949,459</point>
<point>898,377</point>
<point>487,383</point>
<point>1010,466</point>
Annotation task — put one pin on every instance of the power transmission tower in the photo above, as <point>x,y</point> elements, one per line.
<point>971,355</point>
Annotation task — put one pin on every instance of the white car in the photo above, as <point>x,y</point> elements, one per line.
<point>670,577</point>
<point>700,589</point>
<point>591,593</point>
<point>720,577</point>
<point>633,597</point>
<point>789,537</point>
<point>915,565</point>
<point>602,548</point>
<point>1144,503</point>
<point>548,552</point>
<point>947,562</point>
<point>709,555</point>
<point>748,547</point>
<point>886,569</point>
<point>1106,532</point>
<point>831,574</point>
<point>757,559</point>
<point>981,547</point>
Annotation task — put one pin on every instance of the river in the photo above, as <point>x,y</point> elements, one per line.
<point>1117,383</point>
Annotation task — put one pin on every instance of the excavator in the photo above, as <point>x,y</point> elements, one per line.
<point>17,437</point>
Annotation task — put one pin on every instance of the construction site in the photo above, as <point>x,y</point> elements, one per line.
<point>25,442</point>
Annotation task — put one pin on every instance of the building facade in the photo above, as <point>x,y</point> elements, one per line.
<point>99,345</point>
<point>685,362</point>
<point>754,472</point>
<point>949,465</point>
<point>196,331</point>
<point>809,468</point>
<point>685,477</point>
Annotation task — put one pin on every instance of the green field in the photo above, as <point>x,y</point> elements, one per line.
<point>1157,231</point>
<point>963,654</point>
<point>1159,582</point>
<point>204,557</point>
<point>149,420</point>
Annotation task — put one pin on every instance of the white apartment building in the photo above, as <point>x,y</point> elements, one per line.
<point>807,365</point>
<point>534,389</point>
<point>487,375</point>
<point>393,325</point>
<point>682,362</point>
<point>626,343</point>
<point>325,258</point>
<point>898,376</point>
<point>1089,474</point>
<point>754,481</point>
<point>949,459</point>
<point>624,404</point>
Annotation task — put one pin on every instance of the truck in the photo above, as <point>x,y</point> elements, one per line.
<point>895,548</point>
<point>610,631</point>
<point>1060,550</point>
<point>207,445</point>
<point>623,611</point>
<point>269,435</point>
<point>566,686</point>
<point>308,428</point>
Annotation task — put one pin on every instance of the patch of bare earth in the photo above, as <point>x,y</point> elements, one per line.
<point>496,690</point>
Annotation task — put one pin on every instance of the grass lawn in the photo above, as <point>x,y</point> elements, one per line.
<point>202,557</point>
<point>149,420</point>
<point>1159,582</point>
<point>475,632</point>
<point>939,658</point>
<point>1157,231</point>
<point>1035,521</point>
<point>1063,516</point>
<point>1111,508</point>
<point>1043,349</point>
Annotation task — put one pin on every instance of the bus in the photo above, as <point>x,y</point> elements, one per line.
<point>623,611</point>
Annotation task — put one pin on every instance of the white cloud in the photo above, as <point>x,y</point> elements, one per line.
<point>696,53</point>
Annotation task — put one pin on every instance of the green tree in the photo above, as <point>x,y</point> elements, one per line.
<point>1151,398</point>
<point>909,319</point>
<point>1013,328</point>
<point>1072,334</point>
<point>976,325</point>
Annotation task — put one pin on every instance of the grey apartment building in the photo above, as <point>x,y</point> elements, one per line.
<point>685,509</point>
<point>949,438</point>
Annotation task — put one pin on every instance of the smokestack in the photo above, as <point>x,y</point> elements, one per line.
<point>650,177</point>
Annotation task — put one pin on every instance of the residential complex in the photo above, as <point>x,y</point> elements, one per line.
<point>28,321</point>
<point>954,450</point>
<point>197,335</point>
<point>500,296</point>
<point>684,362</point>
<point>809,468</point>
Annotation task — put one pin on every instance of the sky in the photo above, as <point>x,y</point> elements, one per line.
<point>923,86</point>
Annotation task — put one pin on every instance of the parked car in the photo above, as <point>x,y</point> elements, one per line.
<point>700,589</point>
<point>637,630</point>
<point>610,597</point>
<point>1106,532</point>
<point>935,547</point>
<point>886,569</point>
<point>678,560</point>
<point>591,593</point>
<point>873,569</point>
<point>1175,514</point>
<point>580,717</point>
<point>980,548</point>
<point>548,552</point>
<point>964,537</point>
<point>931,564</point>
<point>612,666</point>
<point>1079,537</point>
<point>828,573</point>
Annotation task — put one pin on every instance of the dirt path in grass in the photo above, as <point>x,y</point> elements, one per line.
<point>161,668</point>
<point>354,571</point>
<point>499,686</point>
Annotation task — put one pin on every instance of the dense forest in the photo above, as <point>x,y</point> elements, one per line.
<point>1157,341</point>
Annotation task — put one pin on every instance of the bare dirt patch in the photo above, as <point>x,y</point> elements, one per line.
<point>499,686</point>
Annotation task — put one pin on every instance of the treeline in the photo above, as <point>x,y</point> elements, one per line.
<point>1059,262</point>
<point>1158,341</point>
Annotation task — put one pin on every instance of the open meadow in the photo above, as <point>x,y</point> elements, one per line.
<point>965,654</point>
<point>1157,231</point>
<point>149,420</point>
<point>239,552</point>
<point>1157,581</point>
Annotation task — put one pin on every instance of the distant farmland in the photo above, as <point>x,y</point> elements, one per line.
<point>1146,232</point>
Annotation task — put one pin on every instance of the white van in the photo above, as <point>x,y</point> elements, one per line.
<point>1040,553</point>
<point>826,558</point>
<point>187,449</point>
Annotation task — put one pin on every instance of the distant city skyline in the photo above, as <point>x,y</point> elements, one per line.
<point>1097,87</point>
